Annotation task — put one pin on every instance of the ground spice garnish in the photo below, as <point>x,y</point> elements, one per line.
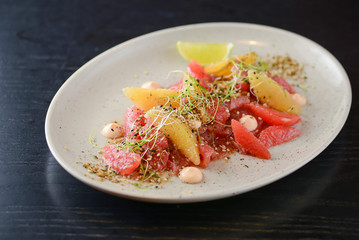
<point>103,172</point>
<point>286,67</point>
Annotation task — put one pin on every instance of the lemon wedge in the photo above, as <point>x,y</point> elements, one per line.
<point>204,53</point>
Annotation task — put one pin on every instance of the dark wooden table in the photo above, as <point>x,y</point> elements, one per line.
<point>43,42</point>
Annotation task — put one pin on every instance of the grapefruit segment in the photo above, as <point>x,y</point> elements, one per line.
<point>195,70</point>
<point>275,135</point>
<point>134,117</point>
<point>122,161</point>
<point>248,142</point>
<point>272,116</point>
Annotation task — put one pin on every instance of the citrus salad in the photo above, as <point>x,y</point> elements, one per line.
<point>235,104</point>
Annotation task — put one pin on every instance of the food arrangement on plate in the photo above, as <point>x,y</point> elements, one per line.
<point>221,105</point>
<point>92,97</point>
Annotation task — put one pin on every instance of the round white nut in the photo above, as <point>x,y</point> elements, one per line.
<point>112,131</point>
<point>191,175</point>
<point>299,99</point>
<point>249,122</point>
<point>151,85</point>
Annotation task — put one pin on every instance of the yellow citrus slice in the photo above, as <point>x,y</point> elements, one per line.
<point>204,53</point>
<point>223,68</point>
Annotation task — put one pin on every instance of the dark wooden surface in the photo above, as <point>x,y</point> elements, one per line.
<point>43,42</point>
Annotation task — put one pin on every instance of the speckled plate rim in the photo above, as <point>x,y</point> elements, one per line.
<point>208,195</point>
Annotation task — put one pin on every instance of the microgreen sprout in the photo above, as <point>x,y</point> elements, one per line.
<point>92,140</point>
<point>262,65</point>
<point>195,99</point>
<point>259,65</point>
<point>144,172</point>
<point>303,88</point>
<point>134,143</point>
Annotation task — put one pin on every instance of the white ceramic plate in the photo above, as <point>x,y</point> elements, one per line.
<point>92,97</point>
